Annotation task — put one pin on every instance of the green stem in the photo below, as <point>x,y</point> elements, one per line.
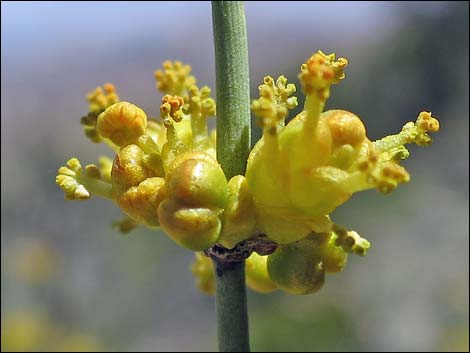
<point>233,86</point>
<point>232,313</point>
<point>233,147</point>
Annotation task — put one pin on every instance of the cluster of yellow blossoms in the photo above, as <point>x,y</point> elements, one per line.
<point>165,173</point>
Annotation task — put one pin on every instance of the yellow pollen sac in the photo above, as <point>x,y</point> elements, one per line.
<point>101,98</point>
<point>174,78</point>
<point>172,105</point>
<point>319,72</point>
<point>426,122</point>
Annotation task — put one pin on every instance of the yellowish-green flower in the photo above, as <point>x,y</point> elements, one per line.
<point>165,173</point>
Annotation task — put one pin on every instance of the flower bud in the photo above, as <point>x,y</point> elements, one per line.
<point>198,181</point>
<point>141,202</point>
<point>194,228</point>
<point>296,270</point>
<point>345,127</point>
<point>122,123</point>
<point>129,168</point>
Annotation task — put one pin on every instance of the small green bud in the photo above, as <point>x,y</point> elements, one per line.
<point>296,270</point>
<point>198,181</point>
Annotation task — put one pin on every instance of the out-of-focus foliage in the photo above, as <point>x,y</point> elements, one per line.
<point>29,331</point>
<point>321,329</point>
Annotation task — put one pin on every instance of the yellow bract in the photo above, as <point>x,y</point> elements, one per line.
<point>165,173</point>
<point>257,277</point>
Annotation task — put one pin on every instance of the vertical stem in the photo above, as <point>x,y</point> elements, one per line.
<point>233,147</point>
<point>232,85</point>
<point>232,313</point>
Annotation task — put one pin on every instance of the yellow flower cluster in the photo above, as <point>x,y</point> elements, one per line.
<point>165,173</point>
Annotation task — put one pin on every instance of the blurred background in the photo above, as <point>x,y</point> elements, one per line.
<point>71,282</point>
